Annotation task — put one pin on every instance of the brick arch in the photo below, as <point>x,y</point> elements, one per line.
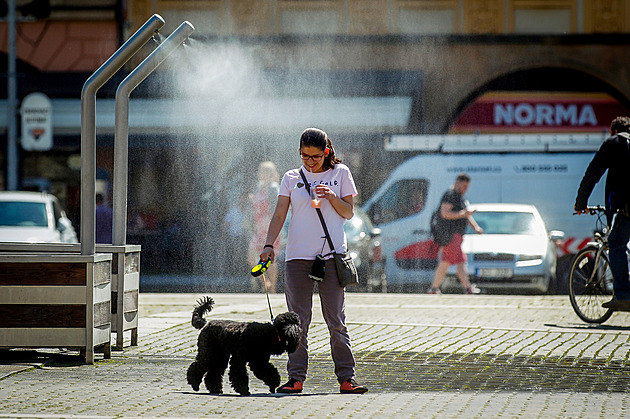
<point>58,46</point>
<point>538,79</point>
<point>457,72</point>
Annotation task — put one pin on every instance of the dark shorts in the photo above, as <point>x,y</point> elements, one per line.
<point>452,252</point>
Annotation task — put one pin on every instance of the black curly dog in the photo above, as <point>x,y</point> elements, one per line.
<point>240,343</point>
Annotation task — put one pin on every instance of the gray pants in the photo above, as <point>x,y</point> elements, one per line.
<point>299,295</point>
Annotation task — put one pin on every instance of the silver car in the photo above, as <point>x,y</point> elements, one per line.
<point>364,245</point>
<point>515,252</point>
<point>34,217</point>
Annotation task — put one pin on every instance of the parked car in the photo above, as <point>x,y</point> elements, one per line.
<point>34,217</point>
<point>515,252</point>
<point>364,245</point>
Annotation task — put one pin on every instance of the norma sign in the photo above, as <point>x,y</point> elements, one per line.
<point>509,112</point>
<point>36,111</point>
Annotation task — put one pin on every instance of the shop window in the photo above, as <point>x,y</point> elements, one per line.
<point>426,21</point>
<point>309,22</point>
<point>206,20</point>
<point>547,21</point>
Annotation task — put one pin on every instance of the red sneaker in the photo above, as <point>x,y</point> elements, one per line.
<point>351,387</point>
<point>292,386</point>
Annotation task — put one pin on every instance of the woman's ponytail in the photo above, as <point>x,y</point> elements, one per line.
<point>330,160</point>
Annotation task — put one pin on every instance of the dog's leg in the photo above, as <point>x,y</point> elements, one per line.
<point>195,374</point>
<point>216,368</point>
<point>238,376</point>
<point>211,361</point>
<point>267,373</point>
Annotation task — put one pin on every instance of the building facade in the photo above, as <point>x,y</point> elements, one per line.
<point>257,72</point>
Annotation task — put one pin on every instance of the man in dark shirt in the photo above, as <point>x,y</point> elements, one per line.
<point>614,156</point>
<point>104,215</point>
<point>454,209</point>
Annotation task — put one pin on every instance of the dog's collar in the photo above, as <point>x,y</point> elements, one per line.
<point>278,334</point>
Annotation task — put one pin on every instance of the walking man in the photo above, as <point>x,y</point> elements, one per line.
<point>454,209</point>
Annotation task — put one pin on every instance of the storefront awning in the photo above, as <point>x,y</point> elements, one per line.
<point>380,115</point>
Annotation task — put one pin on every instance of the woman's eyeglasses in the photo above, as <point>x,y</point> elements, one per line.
<point>315,158</point>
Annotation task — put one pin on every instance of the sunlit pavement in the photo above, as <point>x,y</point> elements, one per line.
<point>420,355</point>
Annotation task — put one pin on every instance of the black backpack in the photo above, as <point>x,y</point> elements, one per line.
<point>440,229</point>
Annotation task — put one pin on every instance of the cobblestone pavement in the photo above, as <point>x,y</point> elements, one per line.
<point>420,355</point>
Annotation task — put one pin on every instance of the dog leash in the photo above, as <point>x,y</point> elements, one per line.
<point>260,269</point>
<point>267,292</point>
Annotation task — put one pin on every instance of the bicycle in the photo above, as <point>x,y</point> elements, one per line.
<point>590,277</point>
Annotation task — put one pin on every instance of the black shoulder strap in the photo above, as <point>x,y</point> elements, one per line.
<point>319,213</point>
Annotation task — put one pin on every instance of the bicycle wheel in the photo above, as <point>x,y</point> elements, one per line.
<point>590,285</point>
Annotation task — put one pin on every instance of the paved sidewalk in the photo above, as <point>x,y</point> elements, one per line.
<point>420,355</point>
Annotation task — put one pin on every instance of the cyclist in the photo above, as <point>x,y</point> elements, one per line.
<point>614,156</point>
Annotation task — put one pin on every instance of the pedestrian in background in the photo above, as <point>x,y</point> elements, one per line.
<point>454,209</point>
<point>334,192</point>
<point>104,215</point>
<point>237,228</point>
<point>614,156</point>
<point>263,201</point>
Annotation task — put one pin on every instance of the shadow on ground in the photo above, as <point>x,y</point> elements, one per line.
<point>48,357</point>
<point>384,371</point>
<point>409,371</point>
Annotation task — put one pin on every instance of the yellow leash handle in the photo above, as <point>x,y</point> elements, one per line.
<point>261,267</point>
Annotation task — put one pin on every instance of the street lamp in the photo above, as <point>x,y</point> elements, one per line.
<point>12,151</point>
<point>38,9</point>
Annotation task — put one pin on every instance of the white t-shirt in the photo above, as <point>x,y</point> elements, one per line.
<point>306,235</point>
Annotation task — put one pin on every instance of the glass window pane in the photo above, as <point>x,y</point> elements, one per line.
<point>207,20</point>
<point>309,22</point>
<point>505,223</point>
<point>26,214</point>
<point>424,21</point>
<point>542,21</point>
<point>403,199</point>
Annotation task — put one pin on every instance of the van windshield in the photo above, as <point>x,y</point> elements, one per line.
<point>402,199</point>
<point>24,214</point>
<point>501,222</point>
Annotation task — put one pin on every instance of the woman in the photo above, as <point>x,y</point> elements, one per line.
<point>334,187</point>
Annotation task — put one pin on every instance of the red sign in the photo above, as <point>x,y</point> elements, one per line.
<point>505,112</point>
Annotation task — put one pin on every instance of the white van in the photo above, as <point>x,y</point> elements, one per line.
<point>403,205</point>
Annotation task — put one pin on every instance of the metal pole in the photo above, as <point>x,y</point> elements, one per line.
<point>12,147</point>
<point>88,126</point>
<point>121,133</point>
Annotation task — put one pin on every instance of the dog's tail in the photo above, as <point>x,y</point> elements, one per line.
<point>204,305</point>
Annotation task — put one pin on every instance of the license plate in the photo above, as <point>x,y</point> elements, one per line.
<point>494,273</point>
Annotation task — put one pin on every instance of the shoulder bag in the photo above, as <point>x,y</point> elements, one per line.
<point>440,229</point>
<point>346,271</point>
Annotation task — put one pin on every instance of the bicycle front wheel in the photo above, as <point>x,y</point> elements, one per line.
<point>590,285</point>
